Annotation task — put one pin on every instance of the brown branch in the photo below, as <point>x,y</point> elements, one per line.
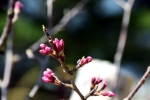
<point>91,92</point>
<point>62,62</point>
<point>9,24</point>
<point>70,78</point>
<point>122,38</point>
<point>140,83</point>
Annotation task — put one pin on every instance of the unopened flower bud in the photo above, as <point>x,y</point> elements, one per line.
<point>108,93</point>
<point>43,52</point>
<point>55,41</point>
<point>89,58</point>
<point>98,80</point>
<point>93,80</point>
<point>18,7</point>
<point>85,60</point>
<point>104,85</point>
<point>59,44</point>
<point>48,50</point>
<point>42,46</point>
<point>49,76</point>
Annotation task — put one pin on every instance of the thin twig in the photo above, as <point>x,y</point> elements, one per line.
<point>49,13</point>
<point>44,62</point>
<point>71,78</point>
<point>8,67</point>
<point>62,62</point>
<point>38,83</point>
<point>9,24</point>
<point>91,92</point>
<point>75,10</point>
<point>140,83</point>
<point>122,38</point>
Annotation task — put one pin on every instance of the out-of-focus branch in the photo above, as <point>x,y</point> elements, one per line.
<point>8,67</point>
<point>127,6</point>
<point>43,64</point>
<point>49,13</point>
<point>9,23</point>
<point>74,11</point>
<point>57,27</point>
<point>140,83</point>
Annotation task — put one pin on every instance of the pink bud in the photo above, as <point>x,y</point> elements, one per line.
<point>43,52</point>
<point>104,85</point>
<point>42,46</point>
<point>48,50</point>
<point>98,80</point>
<point>84,61</point>
<point>108,93</point>
<point>61,42</point>
<point>55,41</point>
<point>49,76</point>
<point>58,47</point>
<point>45,79</point>
<point>89,58</point>
<point>49,71</point>
<point>18,7</point>
<point>93,80</point>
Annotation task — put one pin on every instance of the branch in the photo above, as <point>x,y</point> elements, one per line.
<point>8,67</point>
<point>140,83</point>
<point>9,24</point>
<point>60,57</point>
<point>127,6</point>
<point>74,11</point>
<point>43,64</point>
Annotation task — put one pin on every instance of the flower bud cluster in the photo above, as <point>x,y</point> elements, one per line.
<point>95,82</point>
<point>49,76</point>
<point>58,47</point>
<point>85,60</point>
<point>45,50</point>
<point>59,44</point>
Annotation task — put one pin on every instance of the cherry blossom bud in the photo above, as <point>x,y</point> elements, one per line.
<point>42,46</point>
<point>55,41</point>
<point>61,42</point>
<point>49,71</point>
<point>48,50</point>
<point>93,80</point>
<point>58,46</point>
<point>108,93</point>
<point>43,52</point>
<point>89,58</point>
<point>18,7</point>
<point>104,85</point>
<point>85,60</point>
<point>98,80</point>
<point>49,76</point>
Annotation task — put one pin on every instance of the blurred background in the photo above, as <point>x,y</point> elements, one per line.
<point>93,31</point>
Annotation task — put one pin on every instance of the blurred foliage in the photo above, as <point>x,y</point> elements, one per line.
<point>92,32</point>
